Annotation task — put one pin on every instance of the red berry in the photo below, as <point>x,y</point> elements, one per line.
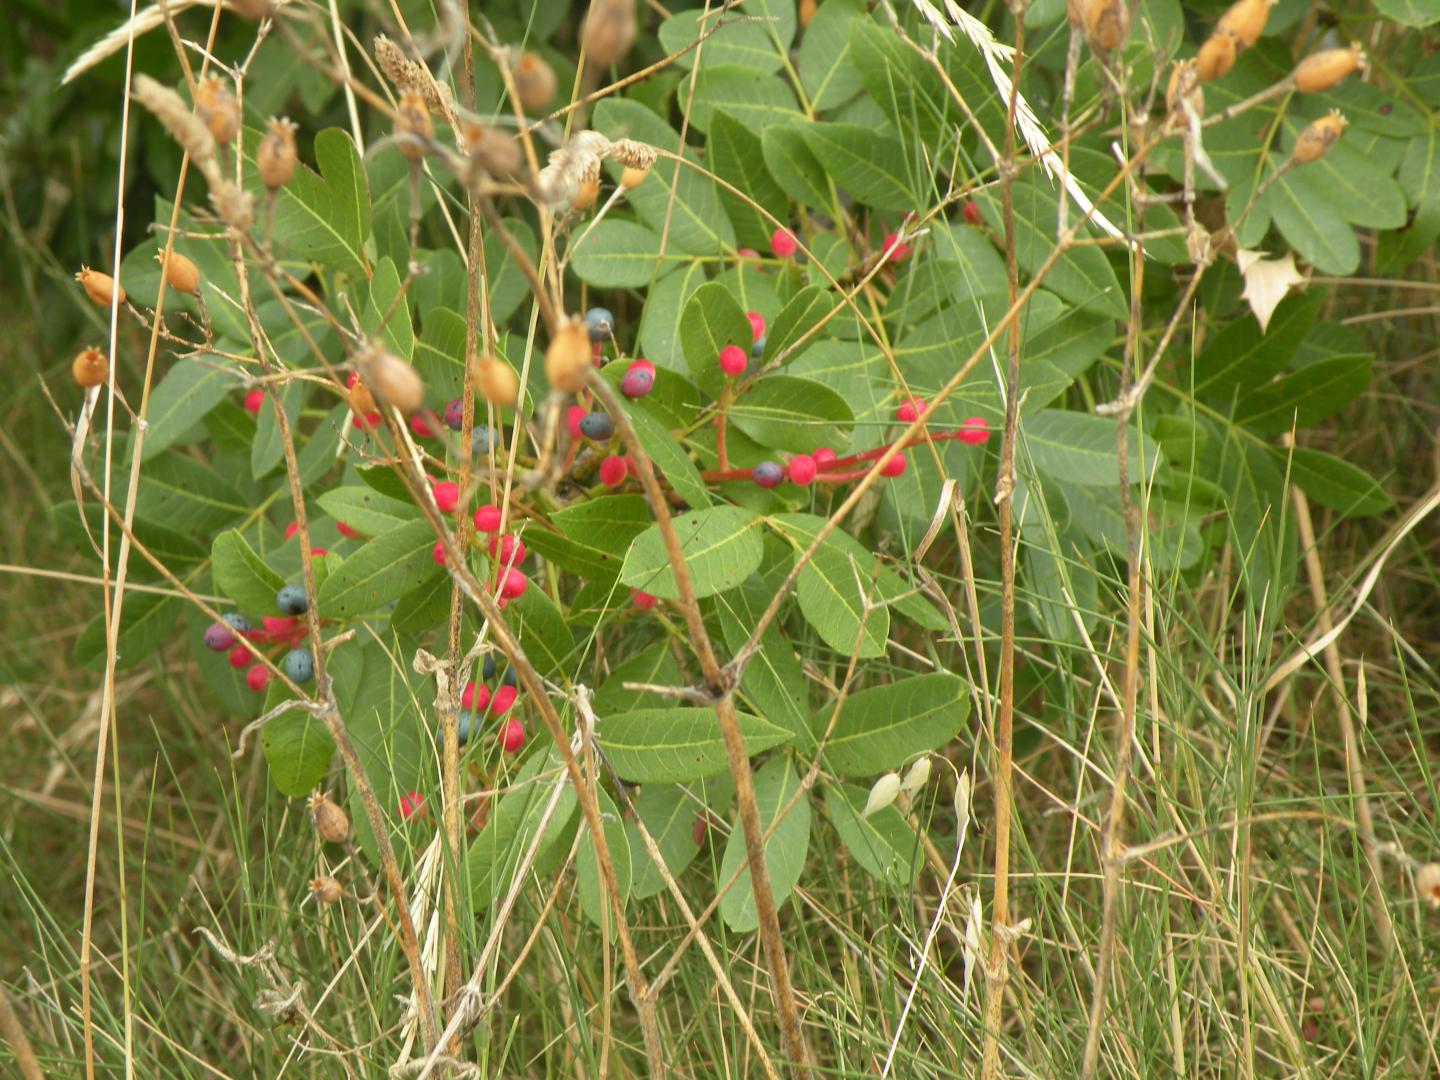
<point>802,470</point>
<point>974,431</point>
<point>894,467</point>
<point>782,243</point>
<point>613,470</point>
<point>641,365</point>
<point>447,496</point>
<point>351,380</point>
<point>514,585</point>
<point>421,427</point>
<point>508,550</point>
<point>972,212</point>
<point>512,736</point>
<point>909,410</point>
<point>823,456</point>
<point>573,415</point>
<point>253,400</point>
<point>279,626</point>
<point>732,360</point>
<point>291,529</point>
<point>438,552</point>
<point>699,829</point>
<point>412,805</point>
<point>368,422</point>
<point>503,698</point>
<point>757,324</point>
<point>239,657</point>
<point>475,696</point>
<point>642,600</point>
<point>747,253</point>
<point>319,552</point>
<point>257,678</point>
<point>895,251</point>
<point>487,518</point>
<point>347,531</point>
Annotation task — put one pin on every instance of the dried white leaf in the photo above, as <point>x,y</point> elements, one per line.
<point>1267,281</point>
<point>974,924</point>
<point>882,794</point>
<point>916,776</point>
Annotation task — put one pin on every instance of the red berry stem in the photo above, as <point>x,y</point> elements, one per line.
<point>827,469</point>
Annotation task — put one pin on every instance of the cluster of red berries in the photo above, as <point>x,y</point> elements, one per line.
<point>507,551</point>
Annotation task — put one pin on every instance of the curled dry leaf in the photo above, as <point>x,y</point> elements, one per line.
<point>1267,281</point>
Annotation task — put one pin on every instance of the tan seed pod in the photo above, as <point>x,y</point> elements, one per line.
<point>1245,21</point>
<point>275,156</point>
<point>362,402</point>
<point>1107,24</point>
<point>493,150</point>
<point>101,288</point>
<point>414,129</point>
<point>535,82</point>
<point>1427,883</point>
<point>217,108</point>
<point>90,368</point>
<point>394,382</point>
<point>180,273</point>
<point>609,31</point>
<point>805,12</point>
<point>567,360</point>
<point>325,890</point>
<point>1318,73</point>
<point>1216,56</point>
<point>586,194</point>
<point>1317,139</point>
<point>332,824</point>
<point>496,381</point>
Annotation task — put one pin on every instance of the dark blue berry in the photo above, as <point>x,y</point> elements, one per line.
<point>218,637</point>
<point>599,323</point>
<point>597,426</point>
<point>482,439</point>
<point>637,383</point>
<point>758,349</point>
<point>768,474</point>
<point>239,623</point>
<point>465,722</point>
<point>455,415</point>
<point>300,665</point>
<point>488,668</point>
<point>291,600</point>
<point>510,679</point>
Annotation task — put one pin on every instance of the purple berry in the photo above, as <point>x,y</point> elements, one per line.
<point>768,474</point>
<point>455,415</point>
<point>637,383</point>
<point>218,637</point>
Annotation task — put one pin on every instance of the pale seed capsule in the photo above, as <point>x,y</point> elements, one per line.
<point>396,382</point>
<point>535,82</point>
<point>325,890</point>
<point>1216,56</point>
<point>275,156</point>
<point>1245,21</point>
<point>882,794</point>
<point>1107,24</point>
<point>1317,139</point>
<point>496,381</point>
<point>180,273</point>
<point>217,108</point>
<point>332,824</point>
<point>916,776</point>
<point>567,360</point>
<point>413,126</point>
<point>1318,73</point>
<point>1427,883</point>
<point>90,368</point>
<point>101,288</point>
<point>362,402</point>
<point>493,150</point>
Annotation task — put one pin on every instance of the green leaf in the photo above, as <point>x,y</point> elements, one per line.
<point>542,630</point>
<point>317,456</point>
<point>827,74</point>
<point>792,163</point>
<point>666,454</point>
<point>775,785</point>
<point>1261,532</point>
<point>829,592</point>
<point>669,814</point>
<point>1419,177</point>
<point>806,310</point>
<point>864,162</point>
<point>618,255</point>
<point>242,575</point>
<point>883,844</point>
<point>1333,482</point>
<point>388,316</point>
<point>1305,397</point>
<point>423,609</point>
<point>1415,13</point>
<point>365,510</point>
<point>721,545</point>
<point>1079,448</point>
<point>673,745</point>
<point>326,217</point>
<point>373,693</point>
<point>735,154</point>
<point>574,555</point>
<point>664,310</point>
<point>1242,355</point>
<point>773,681</point>
<point>712,320</point>
<point>788,413</point>
<point>755,102</point>
<point>745,44</point>
<point>296,745</point>
<point>655,666</point>
<point>609,522</point>
<point>147,621</point>
<point>885,726</point>
<point>1361,191</point>
<point>1312,224</point>
<point>182,399</point>
<point>186,495</point>
<point>589,886</point>
<point>907,90</point>
<point>267,449</point>
<point>496,852</point>
<point>385,568</point>
<point>440,355</point>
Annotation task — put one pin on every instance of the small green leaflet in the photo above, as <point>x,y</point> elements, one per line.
<point>365,510</point>
<point>806,310</point>
<point>617,255</point>
<point>883,844</point>
<point>672,745</point>
<point>146,622</point>
<point>885,726</point>
<point>190,390</point>
<point>712,320</point>
<point>669,815</point>
<point>594,901</point>
<point>326,217</point>
<point>721,545</point>
<point>788,413</point>
<point>775,785</point>
<point>864,162</point>
<point>392,564</point>
<point>242,575</point>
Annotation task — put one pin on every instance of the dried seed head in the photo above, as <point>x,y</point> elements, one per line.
<point>217,108</point>
<point>101,288</point>
<point>325,890</point>
<point>496,380</point>
<point>1107,24</point>
<point>1184,91</point>
<point>1245,21</point>
<point>332,824</point>
<point>535,82</point>
<point>492,150</point>
<point>1427,883</point>
<point>414,130</point>
<point>253,9</point>
<point>1318,73</point>
<point>90,368</point>
<point>1216,56</point>
<point>566,168</point>
<point>180,273</point>
<point>275,156</point>
<point>235,207</point>
<point>406,74</point>
<point>567,360</point>
<point>609,31</point>
<point>393,381</point>
<point>636,157</point>
<point>176,117</point>
<point>1317,139</point>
